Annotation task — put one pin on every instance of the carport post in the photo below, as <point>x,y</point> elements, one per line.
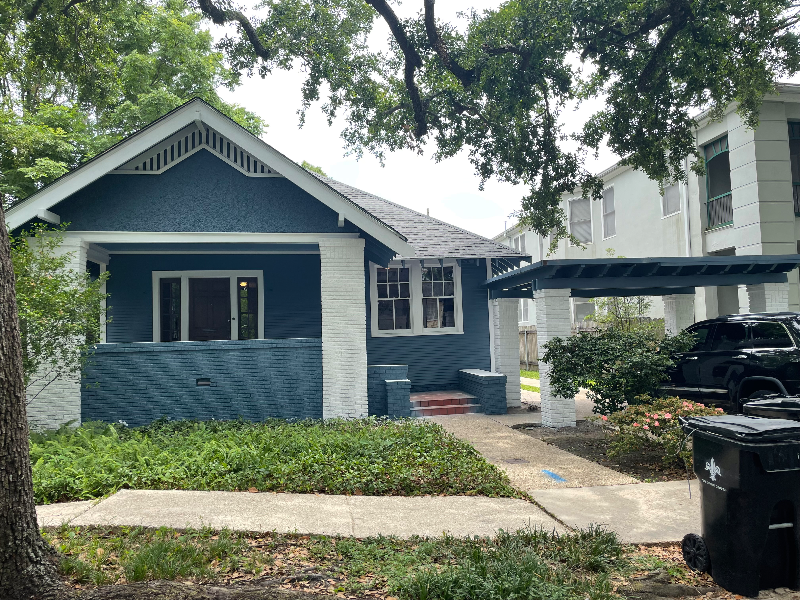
<point>678,312</point>
<point>553,319</point>
<point>768,297</point>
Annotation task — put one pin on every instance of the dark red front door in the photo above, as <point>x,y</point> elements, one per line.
<point>209,309</point>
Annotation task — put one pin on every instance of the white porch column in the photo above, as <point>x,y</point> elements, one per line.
<point>768,297</point>
<point>506,346</point>
<point>678,312</point>
<point>553,319</point>
<point>51,404</point>
<point>344,328</point>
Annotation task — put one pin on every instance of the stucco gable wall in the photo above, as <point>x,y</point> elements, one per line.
<point>202,193</point>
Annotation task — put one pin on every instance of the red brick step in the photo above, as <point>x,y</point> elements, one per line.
<point>448,402</point>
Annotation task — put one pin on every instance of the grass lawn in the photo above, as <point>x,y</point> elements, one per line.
<point>530,564</point>
<point>529,374</point>
<point>368,456</point>
<point>530,388</point>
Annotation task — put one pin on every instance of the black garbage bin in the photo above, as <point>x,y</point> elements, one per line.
<point>777,407</point>
<point>749,472</point>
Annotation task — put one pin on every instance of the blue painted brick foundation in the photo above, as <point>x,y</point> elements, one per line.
<point>256,379</point>
<point>489,388</point>
<point>379,389</point>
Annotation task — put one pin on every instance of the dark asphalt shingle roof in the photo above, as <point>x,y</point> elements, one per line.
<point>431,238</point>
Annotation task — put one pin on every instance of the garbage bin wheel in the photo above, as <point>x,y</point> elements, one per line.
<point>695,553</point>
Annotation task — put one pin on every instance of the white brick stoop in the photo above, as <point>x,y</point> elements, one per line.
<point>553,319</point>
<point>344,328</point>
<point>506,346</point>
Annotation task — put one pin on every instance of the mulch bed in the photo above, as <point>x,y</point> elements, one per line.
<point>591,442</point>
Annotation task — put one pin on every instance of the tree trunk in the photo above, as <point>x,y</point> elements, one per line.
<point>27,563</point>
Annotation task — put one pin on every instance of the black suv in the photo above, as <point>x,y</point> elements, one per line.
<point>738,358</point>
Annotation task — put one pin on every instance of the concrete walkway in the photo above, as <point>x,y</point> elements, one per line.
<point>359,516</point>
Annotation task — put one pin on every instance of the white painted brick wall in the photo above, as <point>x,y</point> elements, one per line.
<point>60,401</point>
<point>344,328</point>
<point>553,319</point>
<point>678,312</point>
<point>768,297</point>
<point>506,346</point>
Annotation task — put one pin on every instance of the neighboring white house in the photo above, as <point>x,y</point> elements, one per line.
<point>747,203</point>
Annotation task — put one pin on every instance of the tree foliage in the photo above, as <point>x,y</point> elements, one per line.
<point>616,365</point>
<point>497,84</point>
<point>60,309</point>
<point>76,77</point>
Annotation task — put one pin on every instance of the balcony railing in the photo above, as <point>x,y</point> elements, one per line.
<point>720,210</point>
<point>796,194</point>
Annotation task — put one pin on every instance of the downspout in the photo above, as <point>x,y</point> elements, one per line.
<point>686,223</point>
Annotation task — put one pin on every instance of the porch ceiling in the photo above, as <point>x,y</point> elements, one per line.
<point>603,277</point>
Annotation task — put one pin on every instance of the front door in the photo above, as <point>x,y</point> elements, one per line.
<point>209,309</point>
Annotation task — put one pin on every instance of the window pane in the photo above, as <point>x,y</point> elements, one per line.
<point>729,336</point>
<point>672,200</point>
<point>405,290</point>
<point>770,335</point>
<point>609,224</point>
<point>170,310</point>
<point>608,200</point>
<point>383,290</point>
<point>385,314</point>
<point>430,312</point>
<point>393,275</point>
<point>427,273</point>
<point>247,288</point>
<point>794,156</point>
<point>701,336</point>
<point>580,219</point>
<point>438,289</point>
<point>719,175</point>
<point>427,288</point>
<point>394,290</point>
<point>381,275</point>
<point>448,272</point>
<point>404,275</point>
<point>449,288</point>
<point>402,314</point>
<point>437,273</point>
<point>447,311</point>
<point>582,231</point>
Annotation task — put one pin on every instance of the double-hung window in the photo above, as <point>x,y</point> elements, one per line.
<point>671,201</point>
<point>415,298</point>
<point>207,305</point>
<point>580,219</point>
<point>609,214</point>
<point>719,202</point>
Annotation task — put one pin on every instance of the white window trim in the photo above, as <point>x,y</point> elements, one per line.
<point>184,276</point>
<point>603,215</point>
<point>415,279</point>
<point>591,220</point>
<point>680,202</point>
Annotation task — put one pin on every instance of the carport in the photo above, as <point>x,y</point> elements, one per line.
<point>551,283</point>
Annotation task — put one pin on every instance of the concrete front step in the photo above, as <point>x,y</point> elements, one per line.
<point>447,402</point>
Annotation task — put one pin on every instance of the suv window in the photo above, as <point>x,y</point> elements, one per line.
<point>729,336</point>
<point>770,335</point>
<point>702,335</point>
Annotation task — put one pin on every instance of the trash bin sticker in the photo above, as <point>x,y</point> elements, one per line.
<point>713,469</point>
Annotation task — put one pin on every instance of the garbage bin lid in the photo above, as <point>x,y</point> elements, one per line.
<point>745,429</point>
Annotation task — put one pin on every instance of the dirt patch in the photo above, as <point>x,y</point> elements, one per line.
<point>591,442</point>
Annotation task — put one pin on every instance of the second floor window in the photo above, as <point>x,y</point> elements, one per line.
<point>671,201</point>
<point>580,219</point>
<point>718,183</point>
<point>609,214</point>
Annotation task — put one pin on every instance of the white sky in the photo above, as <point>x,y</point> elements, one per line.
<point>449,188</point>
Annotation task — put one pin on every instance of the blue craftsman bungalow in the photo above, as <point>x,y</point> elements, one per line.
<point>242,285</point>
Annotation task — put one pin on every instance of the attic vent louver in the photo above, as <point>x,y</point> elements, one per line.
<point>186,142</point>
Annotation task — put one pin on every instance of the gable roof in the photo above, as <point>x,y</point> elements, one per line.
<point>431,238</point>
<point>197,111</point>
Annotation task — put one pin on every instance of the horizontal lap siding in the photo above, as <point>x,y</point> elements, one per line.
<point>254,380</point>
<point>434,360</point>
<point>293,305</point>
<point>202,193</point>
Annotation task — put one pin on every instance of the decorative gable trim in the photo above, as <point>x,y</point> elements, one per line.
<point>192,112</point>
<point>189,141</point>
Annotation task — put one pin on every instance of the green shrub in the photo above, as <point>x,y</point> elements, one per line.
<point>616,365</point>
<point>654,425</point>
<point>368,456</point>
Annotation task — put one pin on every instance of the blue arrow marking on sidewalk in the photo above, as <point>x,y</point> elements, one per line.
<point>552,475</point>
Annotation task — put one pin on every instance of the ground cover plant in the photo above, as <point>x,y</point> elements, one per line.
<point>527,563</point>
<point>366,456</point>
